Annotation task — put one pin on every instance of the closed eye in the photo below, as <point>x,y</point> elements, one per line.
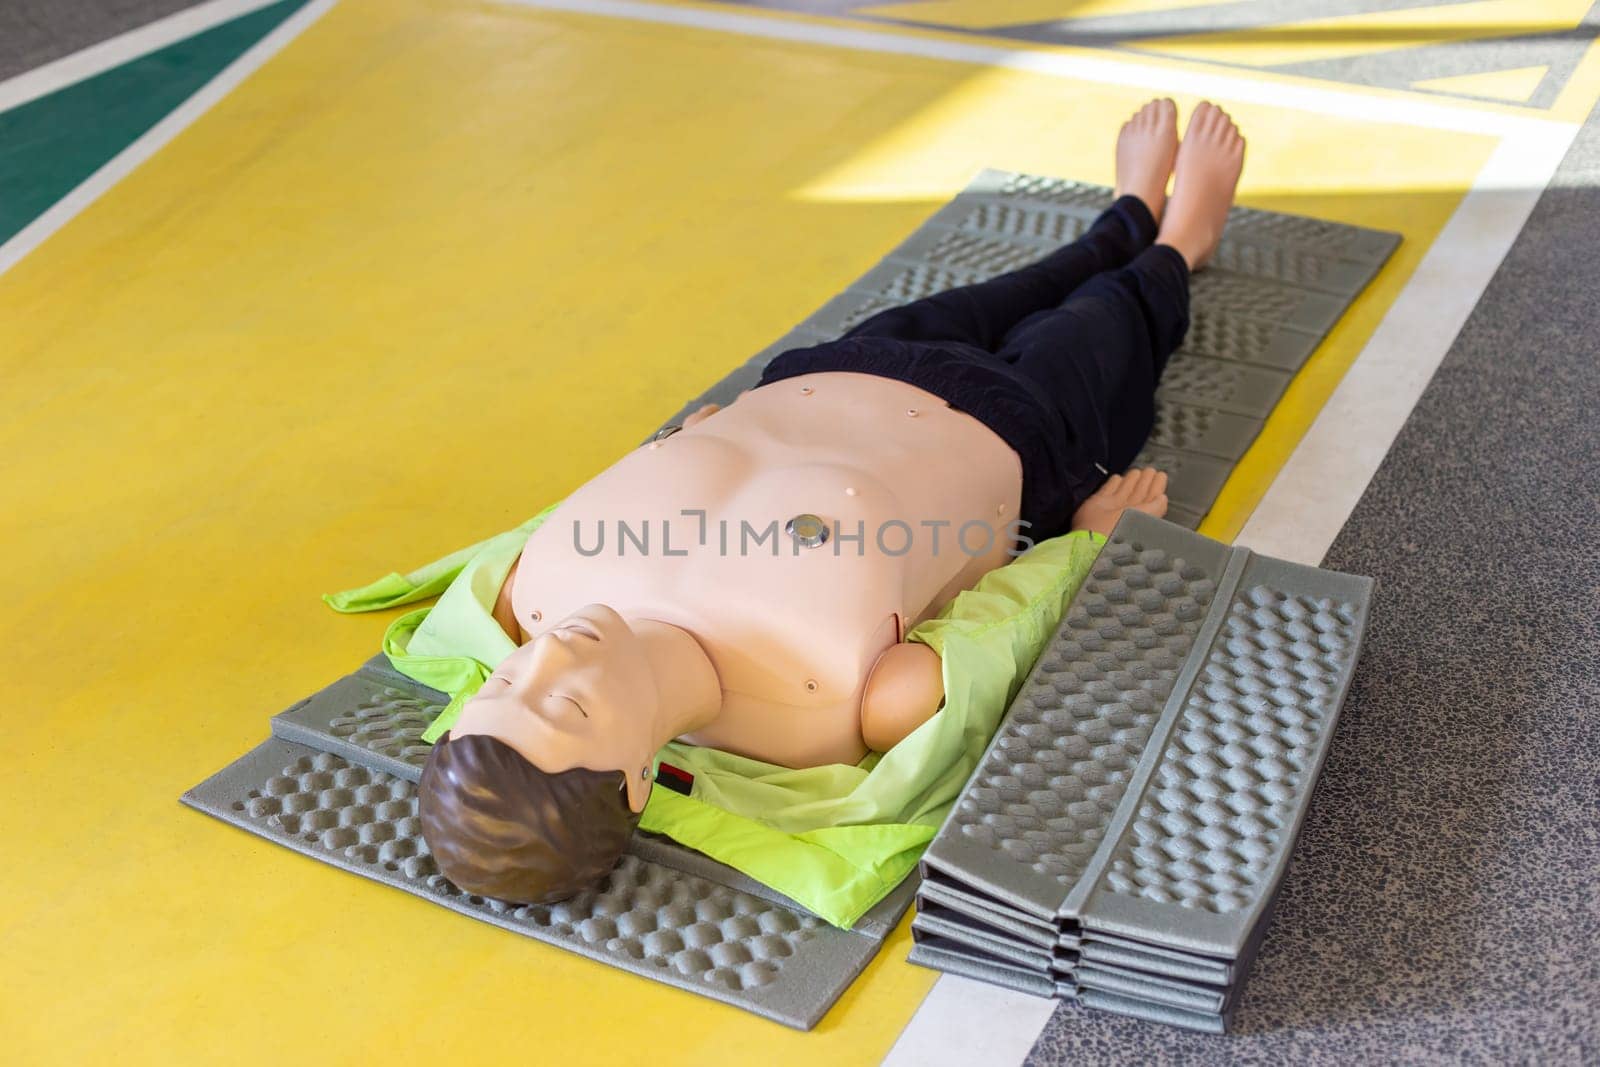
<point>569,700</point>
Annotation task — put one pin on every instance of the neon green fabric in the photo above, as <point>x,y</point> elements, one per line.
<point>835,838</point>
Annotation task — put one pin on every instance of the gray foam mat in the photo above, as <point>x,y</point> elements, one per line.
<point>1156,961</point>
<point>930,950</point>
<point>1070,966</point>
<point>1152,1011</point>
<point>1146,787</point>
<point>1039,805</point>
<point>648,917</point>
<point>1156,990</point>
<point>1235,666</point>
<point>1070,949</point>
<point>933,920</point>
<point>375,717</point>
<point>938,953</point>
<point>1021,928</point>
<point>1276,286</point>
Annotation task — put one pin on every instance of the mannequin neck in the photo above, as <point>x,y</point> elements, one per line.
<point>689,693</point>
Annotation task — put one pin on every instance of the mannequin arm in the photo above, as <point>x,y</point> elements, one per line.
<point>1141,489</point>
<point>904,689</point>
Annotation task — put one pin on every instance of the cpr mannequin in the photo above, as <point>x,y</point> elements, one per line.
<point>746,582</point>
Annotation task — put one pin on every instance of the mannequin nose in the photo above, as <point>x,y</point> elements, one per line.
<point>550,653</point>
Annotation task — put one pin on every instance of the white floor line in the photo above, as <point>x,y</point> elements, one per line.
<point>1367,104</point>
<point>96,59</point>
<point>970,1024</point>
<point>125,162</point>
<point>962,1022</point>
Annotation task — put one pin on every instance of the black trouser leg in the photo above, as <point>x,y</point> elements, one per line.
<point>984,313</point>
<point>1100,354</point>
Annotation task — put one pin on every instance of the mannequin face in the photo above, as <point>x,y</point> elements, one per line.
<point>581,694</point>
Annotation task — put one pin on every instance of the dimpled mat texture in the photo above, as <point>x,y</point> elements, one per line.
<point>348,797</point>
<point>1122,839</point>
<point>678,922</point>
<point>1277,285</point>
<point>336,782</point>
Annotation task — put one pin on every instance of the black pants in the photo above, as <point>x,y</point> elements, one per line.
<point>1060,358</point>
<point>1092,324</point>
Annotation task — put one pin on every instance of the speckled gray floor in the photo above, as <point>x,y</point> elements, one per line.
<point>1444,902</point>
<point>34,32</point>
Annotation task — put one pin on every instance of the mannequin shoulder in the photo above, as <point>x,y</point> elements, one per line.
<point>903,690</point>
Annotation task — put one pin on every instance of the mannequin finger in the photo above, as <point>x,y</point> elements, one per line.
<point>1141,488</point>
<point>1156,505</point>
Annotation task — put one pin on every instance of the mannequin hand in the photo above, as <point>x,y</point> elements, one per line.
<point>1142,489</point>
<point>701,415</point>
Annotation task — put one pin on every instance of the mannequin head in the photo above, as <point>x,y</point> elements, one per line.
<point>534,792</point>
<point>581,694</point>
<point>499,826</point>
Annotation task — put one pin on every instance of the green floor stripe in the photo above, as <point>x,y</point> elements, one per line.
<point>48,146</point>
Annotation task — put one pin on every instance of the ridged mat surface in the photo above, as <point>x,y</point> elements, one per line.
<point>1277,285</point>
<point>1128,826</point>
<point>336,782</point>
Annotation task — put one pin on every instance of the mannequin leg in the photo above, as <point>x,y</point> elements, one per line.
<point>982,314</point>
<point>1100,354</point>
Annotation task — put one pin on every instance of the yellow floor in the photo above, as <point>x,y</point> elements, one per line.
<point>432,266</point>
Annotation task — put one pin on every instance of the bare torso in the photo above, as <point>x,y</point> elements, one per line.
<point>792,631</point>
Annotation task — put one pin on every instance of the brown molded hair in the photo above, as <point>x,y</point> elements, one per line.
<point>498,826</point>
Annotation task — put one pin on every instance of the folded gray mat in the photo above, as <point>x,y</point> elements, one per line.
<point>1126,831</point>
<point>1279,284</point>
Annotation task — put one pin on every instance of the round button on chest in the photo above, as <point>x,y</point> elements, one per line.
<point>808,530</point>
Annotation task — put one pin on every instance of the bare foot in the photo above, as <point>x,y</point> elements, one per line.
<point>1145,149</point>
<point>1209,162</point>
